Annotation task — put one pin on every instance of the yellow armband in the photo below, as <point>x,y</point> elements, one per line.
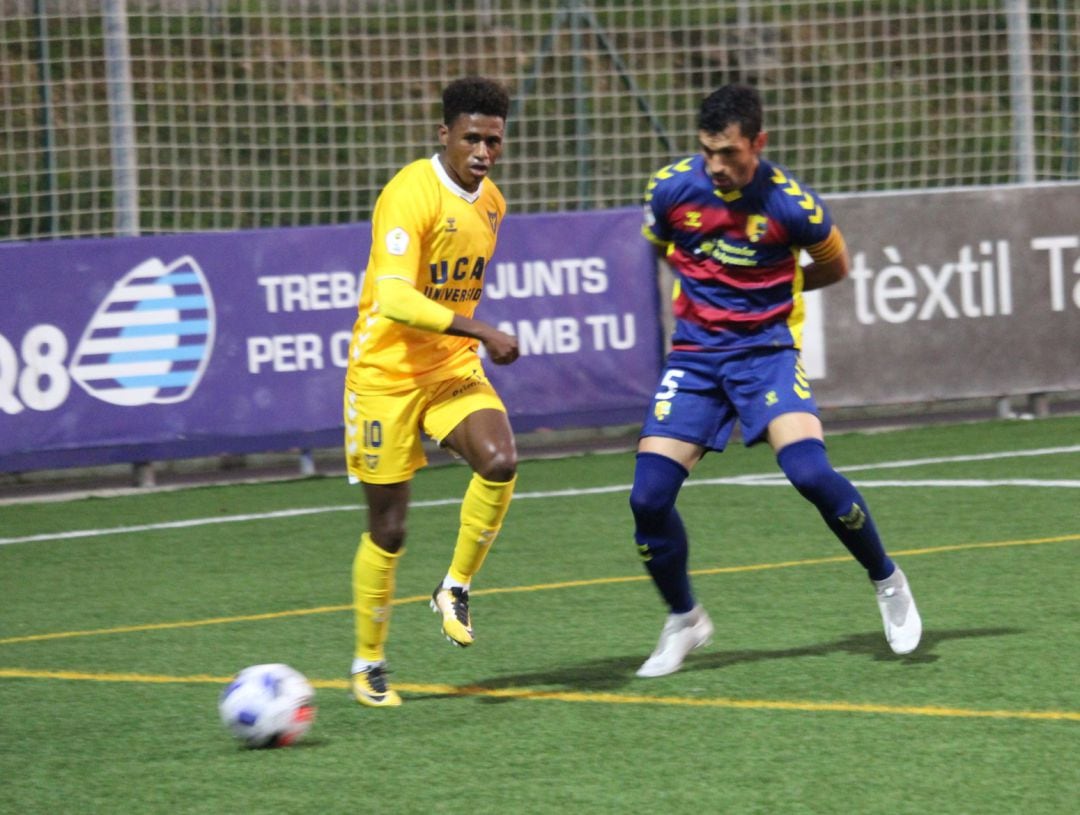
<point>829,249</point>
<point>400,302</point>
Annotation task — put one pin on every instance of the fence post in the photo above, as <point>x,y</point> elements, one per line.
<point>1020,88</point>
<point>122,146</point>
<point>121,119</point>
<point>45,93</point>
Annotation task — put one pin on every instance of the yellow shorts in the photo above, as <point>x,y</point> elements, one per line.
<point>382,430</point>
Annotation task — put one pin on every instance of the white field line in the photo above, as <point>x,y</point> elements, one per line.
<point>771,479</point>
<point>780,481</point>
<point>919,462</point>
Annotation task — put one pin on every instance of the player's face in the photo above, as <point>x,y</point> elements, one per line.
<point>473,144</point>
<point>730,157</point>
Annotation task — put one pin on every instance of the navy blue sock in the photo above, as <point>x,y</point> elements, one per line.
<point>658,529</point>
<point>807,467</point>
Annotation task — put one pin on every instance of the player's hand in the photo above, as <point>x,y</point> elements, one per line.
<point>502,348</point>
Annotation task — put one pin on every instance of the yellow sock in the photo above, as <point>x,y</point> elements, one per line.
<point>482,514</point>
<point>373,589</point>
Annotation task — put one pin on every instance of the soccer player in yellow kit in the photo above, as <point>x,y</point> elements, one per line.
<point>413,367</point>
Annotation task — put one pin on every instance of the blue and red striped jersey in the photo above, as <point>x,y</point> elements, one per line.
<point>735,255</point>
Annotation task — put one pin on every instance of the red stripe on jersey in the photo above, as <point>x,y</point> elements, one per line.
<point>739,277</point>
<point>707,220</point>
<point>718,319</point>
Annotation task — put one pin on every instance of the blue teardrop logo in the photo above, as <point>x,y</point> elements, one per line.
<point>150,340</point>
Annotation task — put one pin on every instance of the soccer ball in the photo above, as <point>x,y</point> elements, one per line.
<point>267,705</point>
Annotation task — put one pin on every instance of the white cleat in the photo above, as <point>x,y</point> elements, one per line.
<point>903,625</point>
<point>682,633</point>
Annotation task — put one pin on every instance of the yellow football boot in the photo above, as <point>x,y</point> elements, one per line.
<point>453,605</point>
<point>370,688</point>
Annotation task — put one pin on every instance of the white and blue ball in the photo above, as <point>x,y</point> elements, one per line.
<point>268,705</point>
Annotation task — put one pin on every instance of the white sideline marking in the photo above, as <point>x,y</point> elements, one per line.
<point>918,462</point>
<point>780,481</point>
<point>771,479</point>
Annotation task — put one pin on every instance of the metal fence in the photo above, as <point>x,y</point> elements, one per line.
<point>157,116</point>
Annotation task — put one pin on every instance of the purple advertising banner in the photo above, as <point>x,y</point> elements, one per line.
<point>134,349</point>
<point>580,293</point>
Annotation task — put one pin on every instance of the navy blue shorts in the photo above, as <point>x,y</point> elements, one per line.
<point>702,393</point>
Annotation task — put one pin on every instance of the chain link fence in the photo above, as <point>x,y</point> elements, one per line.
<point>158,116</point>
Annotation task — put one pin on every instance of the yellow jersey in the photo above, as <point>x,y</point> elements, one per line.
<point>430,232</point>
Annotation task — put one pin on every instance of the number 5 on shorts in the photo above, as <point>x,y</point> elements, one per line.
<point>669,385</point>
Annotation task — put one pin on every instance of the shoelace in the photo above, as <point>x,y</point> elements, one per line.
<point>460,604</point>
<point>377,679</point>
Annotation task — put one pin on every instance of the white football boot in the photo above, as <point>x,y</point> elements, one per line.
<point>682,633</point>
<point>903,625</point>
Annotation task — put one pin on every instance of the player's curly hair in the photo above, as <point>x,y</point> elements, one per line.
<point>474,95</point>
<point>732,104</point>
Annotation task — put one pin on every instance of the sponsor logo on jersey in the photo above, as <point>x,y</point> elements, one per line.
<point>460,269</point>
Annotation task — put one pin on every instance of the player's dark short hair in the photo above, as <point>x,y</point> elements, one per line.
<point>474,95</point>
<point>731,104</point>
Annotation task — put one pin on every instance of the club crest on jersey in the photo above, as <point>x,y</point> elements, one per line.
<point>661,410</point>
<point>493,219</point>
<point>371,461</point>
<point>756,227</point>
<point>451,225</point>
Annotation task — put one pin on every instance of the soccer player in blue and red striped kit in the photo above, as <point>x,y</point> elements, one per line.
<point>731,225</point>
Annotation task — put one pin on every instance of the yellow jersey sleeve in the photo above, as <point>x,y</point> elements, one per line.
<point>404,214</point>
<point>400,302</point>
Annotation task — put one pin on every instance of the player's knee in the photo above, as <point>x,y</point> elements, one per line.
<point>807,467</point>
<point>388,535</point>
<point>499,466</point>
<point>649,504</point>
<point>656,485</point>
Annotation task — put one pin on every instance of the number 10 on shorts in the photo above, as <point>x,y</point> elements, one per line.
<point>372,433</point>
